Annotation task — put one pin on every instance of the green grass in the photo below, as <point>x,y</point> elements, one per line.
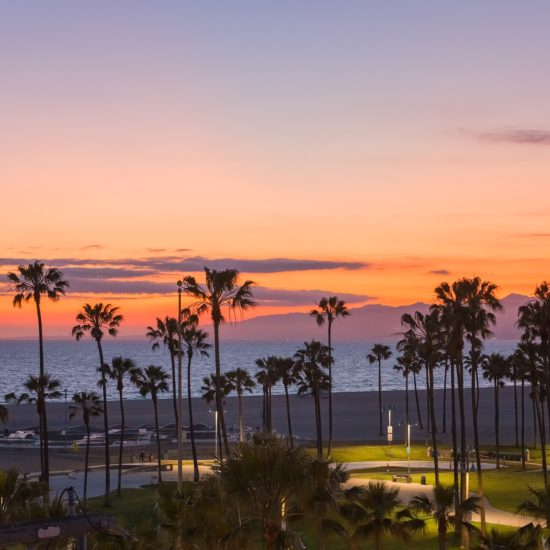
<point>132,508</point>
<point>358,453</point>
<point>505,489</point>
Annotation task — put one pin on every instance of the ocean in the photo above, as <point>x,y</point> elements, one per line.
<point>75,363</point>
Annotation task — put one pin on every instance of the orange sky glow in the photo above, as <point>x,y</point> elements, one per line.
<point>401,158</point>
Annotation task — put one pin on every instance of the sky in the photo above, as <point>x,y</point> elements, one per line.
<point>364,149</point>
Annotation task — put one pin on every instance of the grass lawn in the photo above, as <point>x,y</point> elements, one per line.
<point>505,489</point>
<point>136,506</point>
<point>358,453</point>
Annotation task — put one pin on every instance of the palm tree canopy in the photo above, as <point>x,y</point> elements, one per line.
<point>221,290</point>
<point>268,375</point>
<point>240,381</point>
<point>208,387</point>
<point>39,388</point>
<point>329,309</point>
<point>166,332</point>
<point>150,381</point>
<point>496,367</point>
<point>119,368</point>
<point>96,319</point>
<point>88,403</point>
<point>193,336</point>
<point>34,281</point>
<point>310,364</point>
<point>379,352</point>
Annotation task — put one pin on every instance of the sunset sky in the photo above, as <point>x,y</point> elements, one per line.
<point>366,149</point>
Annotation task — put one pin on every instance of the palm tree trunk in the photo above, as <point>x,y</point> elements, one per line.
<point>442,536</point>
<point>219,401</point>
<point>317,402</point>
<point>196,475</point>
<point>174,386</point>
<point>288,419</point>
<point>44,454</point>
<point>264,408</point>
<point>120,447</point>
<point>542,438</point>
<point>516,424</point>
<point>497,423</point>
<point>269,409</point>
<point>429,368</point>
<point>407,403</point>
<point>428,415</point>
<point>475,402</point>
<point>535,421</point>
<point>445,398</point>
<point>46,478</point>
<point>380,432</point>
<point>154,399</point>
<point>329,448</point>
<point>464,536</point>
<point>86,461</point>
<point>107,499</point>
<point>241,429</point>
<point>523,423</point>
<point>417,402</point>
<point>455,442</point>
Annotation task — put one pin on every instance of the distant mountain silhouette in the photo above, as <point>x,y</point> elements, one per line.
<point>366,323</point>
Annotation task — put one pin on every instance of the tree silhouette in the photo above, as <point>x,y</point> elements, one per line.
<point>32,282</point>
<point>220,291</point>
<point>96,320</point>
<point>379,353</point>
<point>329,309</point>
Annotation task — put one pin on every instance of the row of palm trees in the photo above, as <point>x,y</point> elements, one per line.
<point>450,336</point>
<point>267,487</point>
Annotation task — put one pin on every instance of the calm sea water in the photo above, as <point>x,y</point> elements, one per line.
<point>75,363</point>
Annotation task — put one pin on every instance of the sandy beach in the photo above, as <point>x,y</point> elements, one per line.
<point>355,420</point>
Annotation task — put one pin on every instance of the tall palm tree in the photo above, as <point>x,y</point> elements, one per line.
<point>452,301</point>
<point>286,372</point>
<point>220,291</point>
<point>520,373</point>
<point>240,381</point>
<point>267,377</point>
<point>96,320</point>
<point>89,406</point>
<point>32,282</point>
<point>496,368</point>
<point>151,381</point>
<point>194,340</point>
<point>441,508</point>
<point>379,353</point>
<point>481,305</point>
<point>118,370</point>
<point>329,309</point>
<point>311,364</point>
<point>39,390</point>
<point>166,332</point>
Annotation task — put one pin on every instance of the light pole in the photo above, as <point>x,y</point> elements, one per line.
<point>180,391</point>
<point>389,431</point>
<point>408,423</point>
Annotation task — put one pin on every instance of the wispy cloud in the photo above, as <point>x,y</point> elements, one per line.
<point>170,264</point>
<point>439,272</point>
<point>91,247</point>
<point>527,136</point>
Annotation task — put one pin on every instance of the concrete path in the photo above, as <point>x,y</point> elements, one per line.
<point>424,464</point>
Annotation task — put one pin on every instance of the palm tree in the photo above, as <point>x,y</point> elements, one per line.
<point>96,320</point>
<point>39,390</point>
<point>374,509</point>
<point>118,370</point>
<point>330,309</point>
<point>379,353</point>
<point>209,388</point>
<point>220,291</point>
<point>286,372</point>
<point>166,332</point>
<point>528,537</point>
<point>32,282</point>
<point>267,377</point>
<point>90,407</point>
<point>481,303</point>
<point>520,373</point>
<point>19,497</point>
<point>496,368</point>
<point>539,507</point>
<point>426,330</point>
<point>4,414</point>
<point>441,508</point>
<point>240,382</point>
<point>311,362</point>
<point>152,381</point>
<point>194,340</point>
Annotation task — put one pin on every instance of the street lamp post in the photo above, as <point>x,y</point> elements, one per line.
<point>389,431</point>
<point>180,391</point>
